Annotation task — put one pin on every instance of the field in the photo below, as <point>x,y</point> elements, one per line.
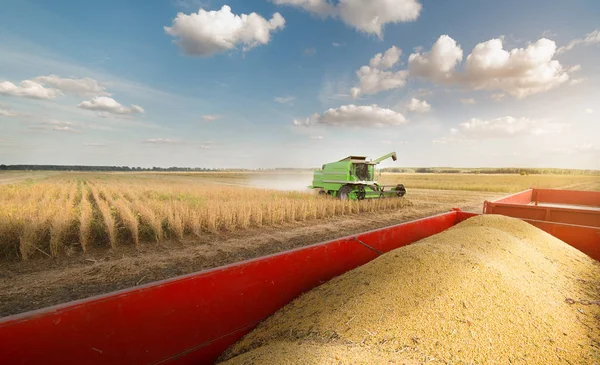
<point>69,235</point>
<point>76,212</point>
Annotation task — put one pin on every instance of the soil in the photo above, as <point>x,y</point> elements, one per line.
<point>39,283</point>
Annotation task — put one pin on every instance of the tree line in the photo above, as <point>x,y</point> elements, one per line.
<point>491,170</point>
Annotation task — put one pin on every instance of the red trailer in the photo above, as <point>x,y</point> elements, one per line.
<point>193,318</point>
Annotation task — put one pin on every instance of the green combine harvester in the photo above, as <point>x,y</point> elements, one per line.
<point>354,178</point>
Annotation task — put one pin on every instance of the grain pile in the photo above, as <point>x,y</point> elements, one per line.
<point>491,290</point>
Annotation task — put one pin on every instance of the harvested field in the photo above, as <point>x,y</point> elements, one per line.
<point>491,290</point>
<point>507,183</point>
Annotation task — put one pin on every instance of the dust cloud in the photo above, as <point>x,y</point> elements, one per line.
<point>284,182</point>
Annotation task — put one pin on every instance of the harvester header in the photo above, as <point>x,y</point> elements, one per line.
<point>353,178</point>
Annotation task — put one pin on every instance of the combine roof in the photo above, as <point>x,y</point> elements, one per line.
<point>354,158</point>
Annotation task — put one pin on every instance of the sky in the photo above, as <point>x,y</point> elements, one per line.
<point>298,83</point>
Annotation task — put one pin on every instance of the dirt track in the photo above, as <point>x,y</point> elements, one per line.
<point>31,285</point>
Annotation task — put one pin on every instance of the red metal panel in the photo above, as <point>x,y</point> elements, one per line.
<point>192,318</point>
<point>585,239</point>
<point>461,216</point>
<point>583,217</point>
<point>397,236</point>
<point>523,197</point>
<point>572,197</point>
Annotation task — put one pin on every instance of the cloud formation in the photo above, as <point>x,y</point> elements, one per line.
<point>520,72</point>
<point>29,89</point>
<point>355,116</point>
<point>209,32</point>
<point>161,141</point>
<point>365,16</point>
<point>418,106</point>
<point>110,105</point>
<point>284,99</point>
<point>387,59</point>
<point>85,86</point>
<point>374,78</point>
<point>54,125</point>
<point>210,118</point>
<point>439,64</point>
<point>8,113</point>
<point>590,38</point>
<point>468,101</point>
<point>506,127</point>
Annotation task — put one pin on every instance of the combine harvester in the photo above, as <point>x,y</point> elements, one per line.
<point>193,318</point>
<point>354,178</point>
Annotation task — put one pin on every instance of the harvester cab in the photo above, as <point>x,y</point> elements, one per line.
<point>354,178</point>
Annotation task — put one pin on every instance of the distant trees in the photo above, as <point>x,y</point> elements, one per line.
<point>98,168</point>
<point>489,170</point>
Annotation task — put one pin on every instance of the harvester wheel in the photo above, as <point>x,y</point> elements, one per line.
<point>400,190</point>
<point>322,192</point>
<point>344,192</point>
<point>361,193</point>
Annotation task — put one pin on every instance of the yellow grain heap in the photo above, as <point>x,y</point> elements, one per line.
<point>491,290</point>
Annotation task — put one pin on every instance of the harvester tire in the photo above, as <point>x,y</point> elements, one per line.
<point>344,192</point>
<point>400,190</point>
<point>322,192</point>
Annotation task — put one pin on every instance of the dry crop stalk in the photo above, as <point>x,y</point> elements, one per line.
<point>129,218</point>
<point>61,220</point>
<point>105,211</point>
<point>86,217</point>
<point>146,214</point>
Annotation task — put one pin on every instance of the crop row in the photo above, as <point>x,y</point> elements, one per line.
<point>55,218</point>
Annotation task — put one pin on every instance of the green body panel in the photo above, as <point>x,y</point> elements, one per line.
<point>354,173</point>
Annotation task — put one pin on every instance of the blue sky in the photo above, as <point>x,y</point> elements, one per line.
<point>210,84</point>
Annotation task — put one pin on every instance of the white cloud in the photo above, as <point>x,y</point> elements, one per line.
<point>321,8</point>
<point>284,99</point>
<point>8,113</point>
<point>309,52</point>
<point>161,141</point>
<point>29,89</point>
<point>355,116</point>
<point>63,129</point>
<point>497,96</point>
<point>520,72</point>
<point>576,81</point>
<point>387,59</point>
<point>418,106</point>
<point>451,139</point>
<point>468,101</point>
<point>589,110</point>
<point>316,137</point>
<point>55,125</point>
<point>439,64</point>
<point>505,127</point>
<point>336,44</point>
<point>85,86</point>
<point>109,105</point>
<point>208,32</point>
<point>210,118</point>
<point>366,16</point>
<point>373,79</point>
<point>590,38</point>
